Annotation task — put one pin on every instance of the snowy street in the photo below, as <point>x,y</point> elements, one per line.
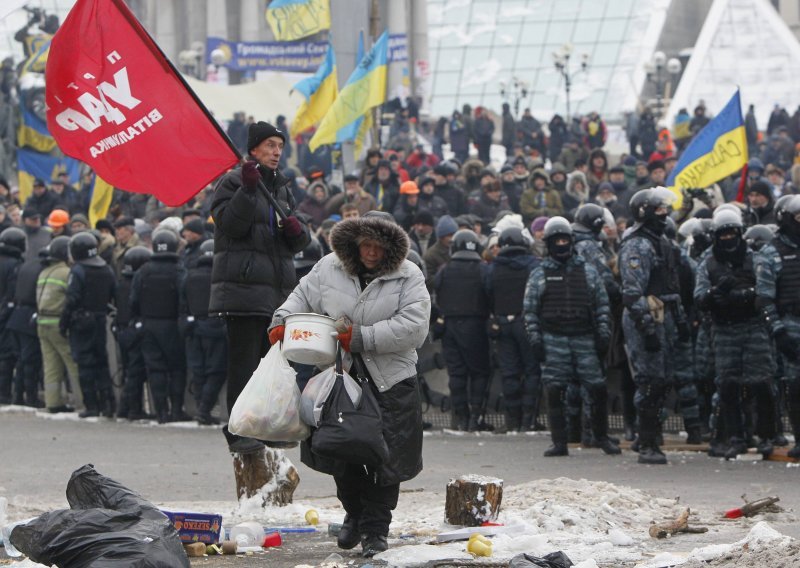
<point>603,520</point>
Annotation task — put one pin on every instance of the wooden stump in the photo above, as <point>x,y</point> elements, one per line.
<point>472,500</point>
<point>268,473</point>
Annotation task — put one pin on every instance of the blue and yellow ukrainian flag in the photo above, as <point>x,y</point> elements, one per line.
<point>33,133</point>
<point>294,19</point>
<point>32,165</point>
<point>718,150</point>
<point>320,91</point>
<point>102,194</point>
<point>365,89</point>
<point>39,46</point>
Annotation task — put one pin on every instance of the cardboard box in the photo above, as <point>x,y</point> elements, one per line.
<point>196,527</point>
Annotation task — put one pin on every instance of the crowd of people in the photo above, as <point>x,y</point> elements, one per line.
<point>487,242</point>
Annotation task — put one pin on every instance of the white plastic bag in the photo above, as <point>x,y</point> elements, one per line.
<point>268,407</point>
<point>317,391</point>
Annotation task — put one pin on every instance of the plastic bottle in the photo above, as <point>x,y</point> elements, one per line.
<point>249,533</point>
<point>312,517</point>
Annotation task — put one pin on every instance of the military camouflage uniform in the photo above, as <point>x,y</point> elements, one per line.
<point>570,356</point>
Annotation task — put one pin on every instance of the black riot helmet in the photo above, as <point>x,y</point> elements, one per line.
<point>789,222</point>
<point>309,256</point>
<point>13,241</point>
<point>650,208</point>
<point>165,240</point>
<point>728,229</point>
<point>465,245</point>
<point>671,230</point>
<point>83,249</point>
<point>757,236</point>
<point>512,239</point>
<point>591,216</point>
<point>134,258</point>
<point>554,229</point>
<point>59,249</point>
<point>780,206</point>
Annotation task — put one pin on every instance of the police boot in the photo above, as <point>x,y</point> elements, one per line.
<point>32,396</point>
<point>474,418</point>
<point>574,428</point>
<point>694,435</point>
<point>461,418</point>
<point>737,447</point>
<point>599,411</point>
<point>794,417</point>
<point>649,452</point>
<point>527,419</point>
<point>514,419</point>
<point>107,403</point>
<point>558,423</point>
<point>90,402</point>
<point>204,416</point>
<point>630,432</point>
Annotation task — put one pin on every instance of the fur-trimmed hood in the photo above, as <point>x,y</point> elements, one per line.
<point>346,236</point>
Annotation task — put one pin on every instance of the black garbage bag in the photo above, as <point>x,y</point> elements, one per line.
<point>552,560</point>
<point>108,526</point>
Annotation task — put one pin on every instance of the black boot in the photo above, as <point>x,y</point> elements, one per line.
<point>91,404</point>
<point>527,420</point>
<point>461,419</point>
<point>372,544</point>
<point>474,418</point>
<point>630,432</point>
<point>694,435</point>
<point>514,419</point>
<point>205,418</point>
<point>599,412</point>
<point>737,447</point>
<point>649,452</point>
<point>794,418</point>
<point>348,536</point>
<point>558,422</point>
<point>107,404</point>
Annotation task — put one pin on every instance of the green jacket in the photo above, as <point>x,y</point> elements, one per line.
<point>51,293</point>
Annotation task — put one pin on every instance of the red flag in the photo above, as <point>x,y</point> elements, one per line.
<point>115,102</point>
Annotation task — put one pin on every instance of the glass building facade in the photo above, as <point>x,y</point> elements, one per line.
<point>476,44</point>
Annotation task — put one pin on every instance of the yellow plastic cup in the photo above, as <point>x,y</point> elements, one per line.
<point>480,546</point>
<point>312,517</point>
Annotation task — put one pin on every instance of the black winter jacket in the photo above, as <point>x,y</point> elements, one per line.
<point>253,269</point>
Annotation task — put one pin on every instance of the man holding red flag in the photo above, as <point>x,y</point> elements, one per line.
<point>254,249</point>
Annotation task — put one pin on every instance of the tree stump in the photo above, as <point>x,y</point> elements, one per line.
<point>267,473</point>
<point>472,500</point>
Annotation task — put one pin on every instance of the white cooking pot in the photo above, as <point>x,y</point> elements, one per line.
<point>310,339</point>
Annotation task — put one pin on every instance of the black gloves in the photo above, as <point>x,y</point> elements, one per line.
<point>652,343</point>
<point>250,175</point>
<point>539,351</point>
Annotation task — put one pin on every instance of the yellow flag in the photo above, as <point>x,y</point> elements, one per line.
<point>102,193</point>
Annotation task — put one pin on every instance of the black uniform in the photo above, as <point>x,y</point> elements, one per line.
<point>22,325</point>
<point>10,261</point>
<point>462,300</point>
<point>206,343</point>
<point>155,300</point>
<point>129,339</point>
<point>90,290</point>
<point>519,368</point>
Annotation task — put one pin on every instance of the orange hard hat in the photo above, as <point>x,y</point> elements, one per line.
<point>58,218</point>
<point>409,188</point>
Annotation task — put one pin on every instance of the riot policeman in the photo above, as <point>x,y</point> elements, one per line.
<point>778,297</point>
<point>22,324</point>
<point>519,369</point>
<point>587,230</point>
<point>129,336</point>
<point>155,297</point>
<point>90,290</point>
<point>725,287</point>
<point>567,323</point>
<point>12,246</point>
<point>206,344</point>
<point>461,299</point>
<point>653,311</point>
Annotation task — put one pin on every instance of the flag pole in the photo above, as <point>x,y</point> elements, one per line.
<point>151,43</point>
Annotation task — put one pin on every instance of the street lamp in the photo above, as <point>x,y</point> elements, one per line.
<point>515,91</point>
<point>561,61</point>
<point>657,70</point>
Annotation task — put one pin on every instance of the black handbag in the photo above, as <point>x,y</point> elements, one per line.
<point>349,433</point>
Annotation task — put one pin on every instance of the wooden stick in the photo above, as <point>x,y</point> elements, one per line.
<point>679,525</point>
